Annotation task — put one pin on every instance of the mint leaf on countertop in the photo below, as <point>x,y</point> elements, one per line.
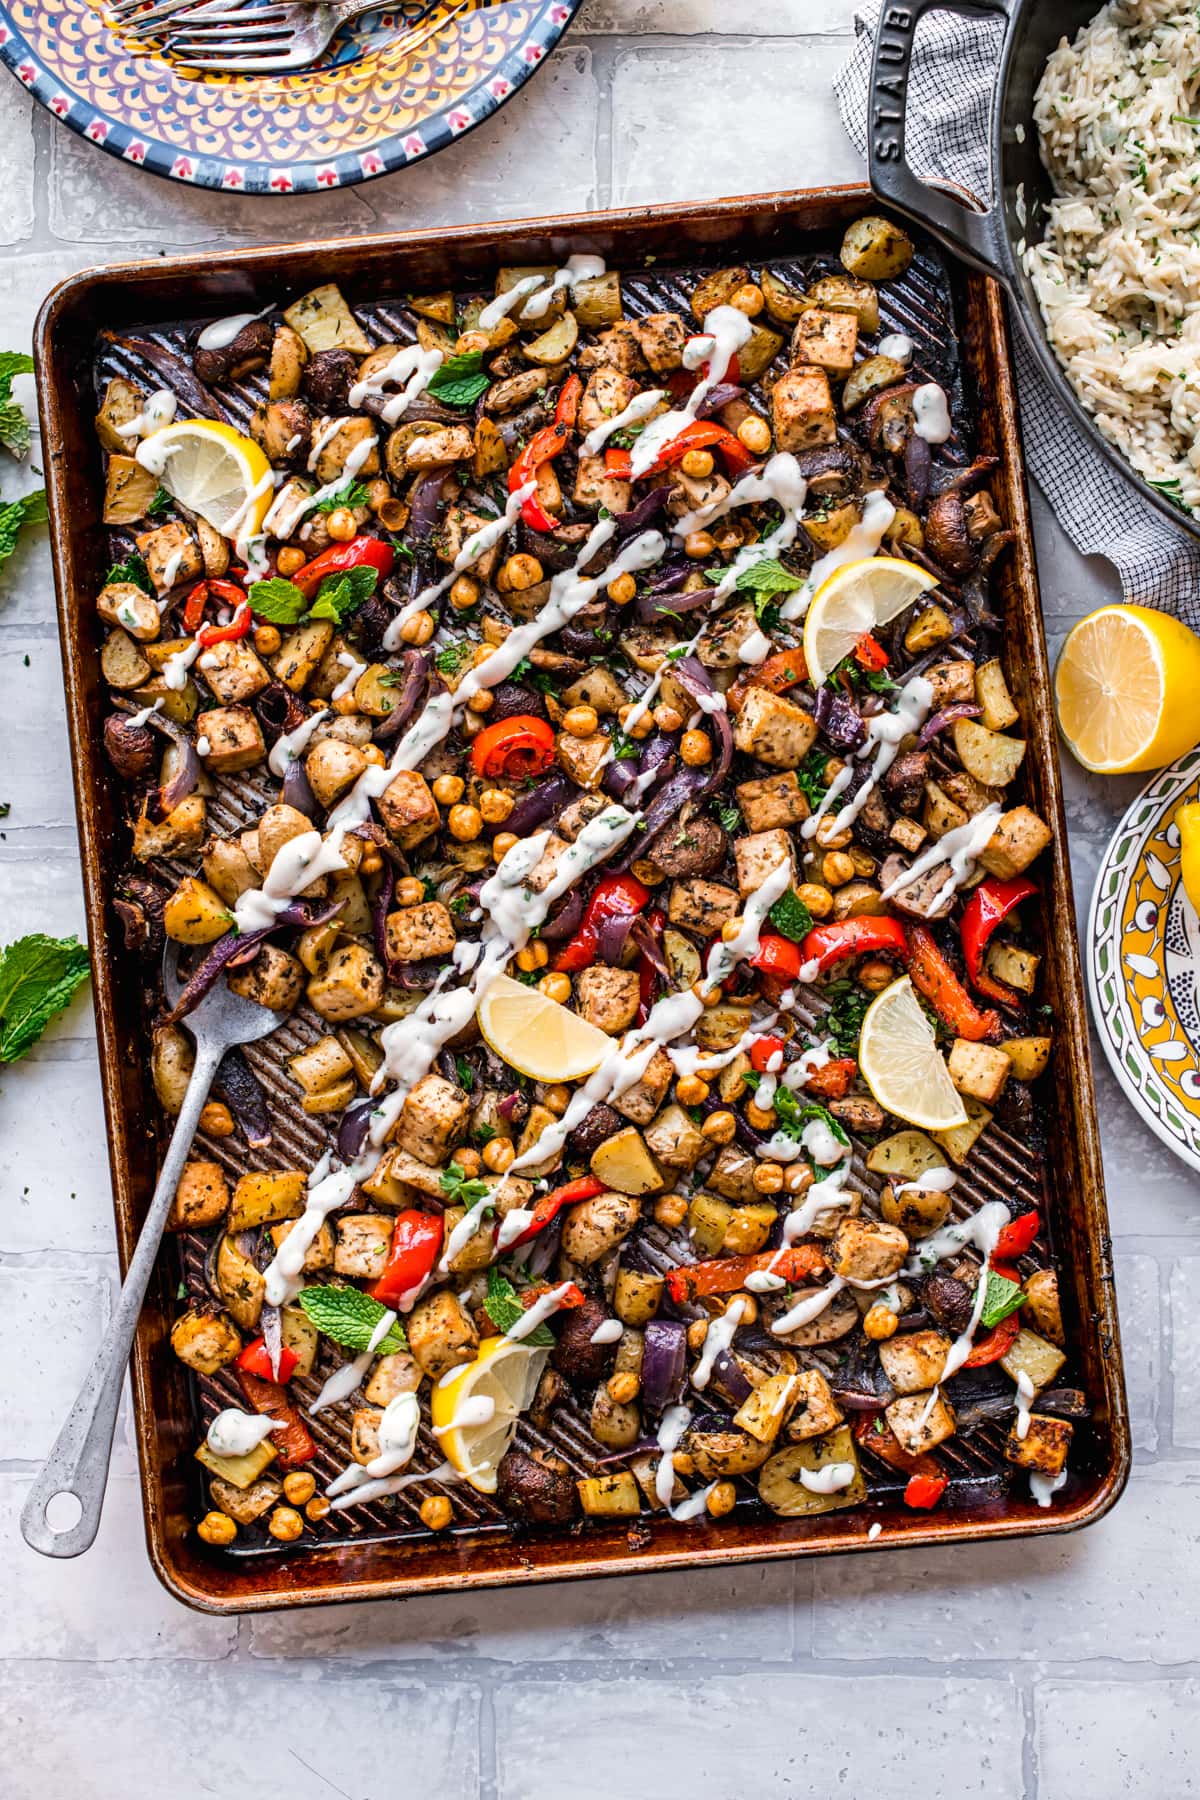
<point>38,976</point>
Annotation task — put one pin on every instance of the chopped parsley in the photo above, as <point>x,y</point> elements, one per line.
<point>811,775</point>
<point>465,1073</point>
<point>843,1021</point>
<point>133,570</point>
<point>462,1191</point>
<point>161,504</point>
<point>351,493</point>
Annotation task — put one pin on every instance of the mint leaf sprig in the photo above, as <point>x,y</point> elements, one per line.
<point>38,977</point>
<point>350,1318</point>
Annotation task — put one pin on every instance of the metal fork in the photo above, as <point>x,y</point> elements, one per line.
<point>127,13</point>
<point>78,1463</point>
<point>287,34</point>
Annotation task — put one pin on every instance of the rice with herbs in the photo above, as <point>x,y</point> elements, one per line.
<point>1118,271</point>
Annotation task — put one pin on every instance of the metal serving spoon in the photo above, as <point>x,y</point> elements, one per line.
<point>78,1463</point>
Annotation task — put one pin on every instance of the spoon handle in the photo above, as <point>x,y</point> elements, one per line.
<point>78,1463</point>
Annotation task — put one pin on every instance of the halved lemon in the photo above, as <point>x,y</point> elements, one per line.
<point>902,1065</point>
<point>537,1036</point>
<point>504,1374</point>
<point>1126,688</point>
<point>214,471</point>
<point>855,599</point>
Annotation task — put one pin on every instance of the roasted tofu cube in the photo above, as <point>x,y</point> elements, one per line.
<point>912,1430</point>
<point>319,1254</point>
<point>408,809</point>
<point>332,769</point>
<point>952,682</point>
<point>802,411</point>
<point>617,348</point>
<point>434,1118</point>
<point>321,1066</point>
<point>866,1250</point>
<point>350,985</point>
<point>759,856</point>
<point>205,1340</point>
<point>364,1433</point>
<point>396,1373</point>
<point>171,554</point>
<point>816,1411</point>
<point>915,1361</point>
<point>675,1140</point>
<point>266,1195</point>
<point>230,738</point>
<point>179,834</point>
<point>607,997</point>
<point>1019,837</point>
<point>980,1070</point>
<point>417,932</point>
<point>773,801</point>
<point>249,1503</point>
<point>766,1410</point>
<point>1044,1447</point>
<point>732,1175</point>
<point>607,393</point>
<point>441,1335</point>
<point>826,338</point>
<point>662,337</point>
<point>1017,968</point>
<point>595,487</point>
<point>583,759</point>
<point>458,524</point>
<point>274,979</point>
<point>201,1198</point>
<point>908,834</point>
<point>233,671</point>
<point>640,1102</point>
<point>363,1243</point>
<point>722,642</point>
<point>774,729</point>
<point>702,906</point>
<point>399,1176</point>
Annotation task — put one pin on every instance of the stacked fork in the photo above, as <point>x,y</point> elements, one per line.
<point>227,37</point>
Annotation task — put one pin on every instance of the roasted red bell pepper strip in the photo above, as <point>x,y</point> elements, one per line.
<point>197,600</point>
<point>997,1343</point>
<point>989,905</point>
<point>933,977</point>
<point>832,1081</point>
<point>294,1444</point>
<point>726,1274</point>
<point>876,1435</point>
<point>924,1491</point>
<point>550,1205</point>
<point>616,897</point>
<point>573,1297</point>
<point>256,1360</point>
<point>865,935</point>
<point>704,434</point>
<point>416,1242</point>
<point>762,1050</point>
<point>786,669</point>
<point>870,654</point>
<point>542,447</point>
<point>361,552</point>
<point>238,627</point>
<point>683,381</point>
<point>566,411</point>
<point>1016,1238</point>
<point>517,748</point>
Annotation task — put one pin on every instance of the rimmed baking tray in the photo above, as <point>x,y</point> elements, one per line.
<point>958,319</point>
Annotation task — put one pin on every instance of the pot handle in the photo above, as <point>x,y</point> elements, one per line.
<point>976,235</point>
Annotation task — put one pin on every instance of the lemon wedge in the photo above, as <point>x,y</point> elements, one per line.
<point>476,1414</point>
<point>902,1065</point>
<point>1126,687</point>
<point>857,598</point>
<point>1187,819</point>
<point>214,471</point>
<point>538,1037</point>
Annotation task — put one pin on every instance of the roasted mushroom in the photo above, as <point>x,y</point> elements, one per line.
<point>249,351</point>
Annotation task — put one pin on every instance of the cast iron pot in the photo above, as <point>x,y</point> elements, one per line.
<point>989,238</point>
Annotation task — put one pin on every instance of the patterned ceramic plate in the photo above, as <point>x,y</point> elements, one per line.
<point>1144,962</point>
<point>375,102</point>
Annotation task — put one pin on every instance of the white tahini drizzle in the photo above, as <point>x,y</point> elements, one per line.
<point>959,848</point>
<point>349,681</point>
<point>236,1433</point>
<point>147,712</point>
<point>158,411</point>
<point>729,330</point>
<point>931,414</point>
<point>222,332</point>
<point>609,1331</point>
<point>297,864</point>
<point>503,304</point>
<point>717,1340</point>
<point>828,1479</point>
<point>476,546</point>
<point>541,1310</point>
<point>639,408</point>
<point>885,732</point>
<point>1044,1487</point>
<point>862,541</point>
<point>411,370</point>
<point>896,345</point>
<point>568,278</point>
<point>291,744</point>
<point>1025,1393</point>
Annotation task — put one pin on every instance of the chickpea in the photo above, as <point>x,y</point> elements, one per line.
<point>719,1128</point>
<point>217,1119</point>
<point>722,1498</point>
<point>465,823</point>
<point>464,594</point>
<point>633,724</point>
<point>728,536</point>
<point>748,299</point>
<point>762,1118</point>
<point>768,1178</point>
<point>502,843</point>
<point>581,721</point>
<point>818,900</point>
<point>836,869</point>
<point>797,1178</point>
<point>410,891</point>
<point>533,956</point>
<point>749,1312</point>
<point>697,1331</point>
<point>378,493</point>
<point>755,434</point>
<point>482,702</point>
<point>448,789</point>
<point>864,862</point>
<point>698,545</point>
<point>697,463</point>
<point>317,1508</point>
<point>732,928</point>
<point>436,1512</point>
<point>289,561</point>
<point>217,1528</point>
<point>556,1098</point>
<point>299,1486</point>
<point>708,996</point>
<point>622,590</point>
<point>417,629</point>
<point>267,639</point>
<point>392,514</point>
<point>875,974</point>
<point>695,747</point>
<point>684,1463</point>
<point>880,1322</point>
<point>468,1160</point>
<point>341,525</point>
<point>667,718</point>
<point>481,654</point>
<point>647,872</point>
<point>691,1091</point>
<point>495,805</point>
<point>497,1153</point>
<point>520,572</point>
<point>285,1524</point>
<point>623,1388</point>
<point>832,836</point>
<point>670,1210</point>
<point>556,987</point>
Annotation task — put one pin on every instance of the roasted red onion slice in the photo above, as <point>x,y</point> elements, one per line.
<point>961,709</point>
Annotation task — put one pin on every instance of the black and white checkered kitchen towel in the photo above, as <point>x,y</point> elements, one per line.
<point>950,96</point>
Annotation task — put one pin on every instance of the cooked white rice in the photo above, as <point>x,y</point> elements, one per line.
<point>1118,272</point>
